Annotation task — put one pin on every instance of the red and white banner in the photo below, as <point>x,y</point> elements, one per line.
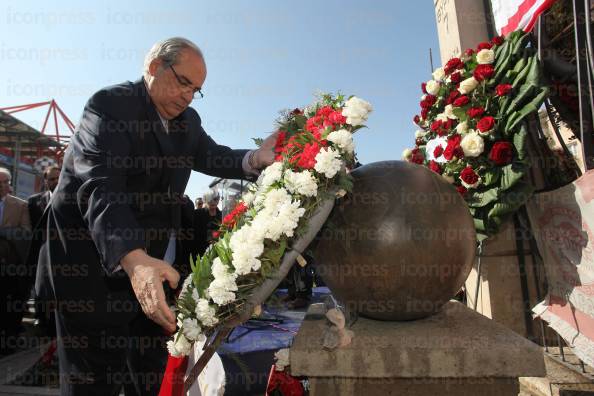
<point>563,223</point>
<point>512,15</point>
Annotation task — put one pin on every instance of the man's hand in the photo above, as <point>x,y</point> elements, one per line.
<point>264,156</point>
<point>147,275</point>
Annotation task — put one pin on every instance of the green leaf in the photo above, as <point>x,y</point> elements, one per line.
<point>460,113</point>
<point>480,199</point>
<point>491,176</point>
<point>511,200</point>
<point>525,93</point>
<point>531,107</point>
<point>519,140</point>
<point>258,141</point>
<point>511,174</point>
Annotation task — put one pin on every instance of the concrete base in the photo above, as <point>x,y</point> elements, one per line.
<point>457,351</point>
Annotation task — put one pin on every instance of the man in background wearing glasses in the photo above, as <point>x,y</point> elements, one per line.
<point>114,224</point>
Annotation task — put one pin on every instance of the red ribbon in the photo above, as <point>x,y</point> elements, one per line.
<point>173,380</point>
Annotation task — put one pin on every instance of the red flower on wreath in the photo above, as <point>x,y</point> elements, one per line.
<point>231,218</point>
<point>456,77</point>
<point>497,40</point>
<point>484,45</point>
<point>469,176</point>
<point>486,124</point>
<point>461,190</point>
<point>453,148</point>
<point>501,153</point>
<point>307,158</point>
<point>438,152</point>
<point>483,72</point>
<point>461,101</point>
<point>452,65</point>
<point>503,89</point>
<point>435,167</point>
<point>475,112</point>
<point>417,156</point>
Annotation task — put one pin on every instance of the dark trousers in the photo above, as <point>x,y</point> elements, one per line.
<point>100,361</point>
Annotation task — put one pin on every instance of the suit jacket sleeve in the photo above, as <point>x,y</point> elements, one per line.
<point>214,159</point>
<point>24,221</point>
<point>101,197</point>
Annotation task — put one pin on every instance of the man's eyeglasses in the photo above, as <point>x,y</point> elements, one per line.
<point>186,85</point>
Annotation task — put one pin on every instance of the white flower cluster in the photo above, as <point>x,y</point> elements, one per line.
<point>328,162</point>
<point>222,289</point>
<point>303,182</point>
<point>246,248</point>
<point>472,144</point>
<point>206,313</point>
<point>280,215</point>
<point>356,111</point>
<point>179,346</point>
<point>343,139</point>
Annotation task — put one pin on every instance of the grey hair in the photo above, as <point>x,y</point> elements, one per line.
<point>6,172</point>
<point>210,196</point>
<point>168,50</point>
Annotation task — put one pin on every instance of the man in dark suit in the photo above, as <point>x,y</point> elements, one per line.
<point>115,216</point>
<point>37,204</point>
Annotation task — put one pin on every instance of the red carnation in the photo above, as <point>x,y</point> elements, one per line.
<point>307,158</point>
<point>497,40</point>
<point>438,152</point>
<point>417,156</point>
<point>424,113</point>
<point>296,111</point>
<point>456,77</point>
<point>501,153</point>
<point>469,176</point>
<point>452,96</point>
<point>435,167</point>
<point>453,148</point>
<point>336,117</point>
<point>503,89</point>
<point>461,189</point>
<point>475,112</point>
<point>424,87</point>
<point>483,72</point>
<point>469,52</point>
<point>461,101</point>
<point>452,65</point>
<point>428,101</point>
<point>484,45</point>
<point>417,119</point>
<point>486,124</point>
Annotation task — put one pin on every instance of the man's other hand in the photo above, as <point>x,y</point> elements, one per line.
<point>264,156</point>
<point>147,275</point>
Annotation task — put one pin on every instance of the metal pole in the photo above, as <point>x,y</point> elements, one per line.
<point>560,343</point>
<point>579,20</point>
<point>15,164</point>
<point>431,60</point>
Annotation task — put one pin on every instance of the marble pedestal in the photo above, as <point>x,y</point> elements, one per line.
<point>454,352</point>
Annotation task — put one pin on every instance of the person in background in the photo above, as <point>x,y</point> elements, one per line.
<point>207,220</point>
<point>199,203</point>
<point>37,204</point>
<point>15,228</point>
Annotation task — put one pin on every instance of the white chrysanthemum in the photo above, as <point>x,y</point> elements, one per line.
<point>472,144</point>
<point>356,111</point>
<point>206,313</point>
<point>438,74</point>
<point>246,247</point>
<point>462,127</point>
<point>343,139</point>
<point>449,112</point>
<point>468,85</point>
<point>179,346</point>
<point>485,57</point>
<point>432,87</point>
<point>328,162</point>
<point>222,289</point>
<point>192,329</point>
<point>432,145</point>
<point>279,220</point>
<point>303,183</point>
<point>271,174</point>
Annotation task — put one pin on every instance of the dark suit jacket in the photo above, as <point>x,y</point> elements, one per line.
<point>121,188</point>
<point>37,204</point>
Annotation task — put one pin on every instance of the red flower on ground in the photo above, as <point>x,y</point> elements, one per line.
<point>503,89</point>
<point>486,124</point>
<point>501,153</point>
<point>469,176</point>
<point>475,112</point>
<point>483,72</point>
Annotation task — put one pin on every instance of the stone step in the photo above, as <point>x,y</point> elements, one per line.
<point>563,378</point>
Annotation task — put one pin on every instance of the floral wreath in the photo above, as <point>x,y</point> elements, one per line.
<point>314,151</point>
<point>474,126</point>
